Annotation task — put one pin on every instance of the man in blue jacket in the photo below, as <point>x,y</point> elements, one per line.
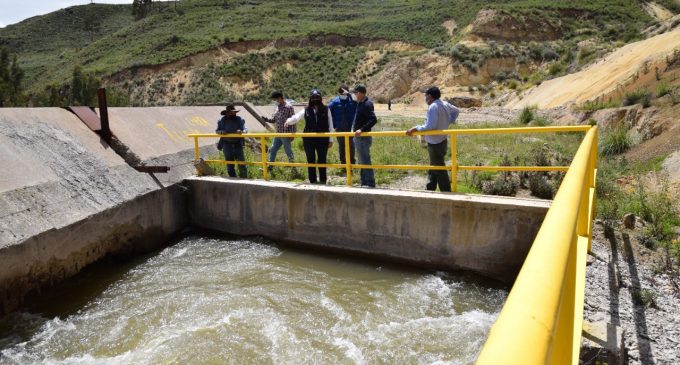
<point>343,108</point>
<point>364,120</point>
<point>232,147</point>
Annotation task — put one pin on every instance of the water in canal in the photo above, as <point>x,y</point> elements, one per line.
<point>214,301</point>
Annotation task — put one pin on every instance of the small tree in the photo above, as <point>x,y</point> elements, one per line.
<point>141,8</point>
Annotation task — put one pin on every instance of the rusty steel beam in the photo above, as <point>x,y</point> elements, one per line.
<point>87,115</point>
<point>104,115</point>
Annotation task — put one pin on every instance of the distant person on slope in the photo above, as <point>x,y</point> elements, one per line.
<point>342,110</point>
<point>232,147</point>
<point>283,111</point>
<point>439,115</point>
<point>364,120</point>
<point>317,120</point>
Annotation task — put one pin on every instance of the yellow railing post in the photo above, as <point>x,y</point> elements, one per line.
<point>197,156</point>
<point>263,148</point>
<point>348,161</point>
<point>454,161</point>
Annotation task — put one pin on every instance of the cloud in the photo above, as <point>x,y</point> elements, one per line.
<point>2,25</point>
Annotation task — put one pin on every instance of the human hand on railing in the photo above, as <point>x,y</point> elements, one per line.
<point>410,131</point>
<point>238,131</point>
<point>357,133</point>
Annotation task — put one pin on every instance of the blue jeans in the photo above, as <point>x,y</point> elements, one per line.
<point>276,145</point>
<point>363,145</point>
<point>234,152</point>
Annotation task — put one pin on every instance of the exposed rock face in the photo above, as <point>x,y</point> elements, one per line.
<point>465,102</point>
<point>406,76</point>
<point>493,25</point>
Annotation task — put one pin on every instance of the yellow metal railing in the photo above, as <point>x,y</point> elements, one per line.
<point>541,321</point>
<point>453,133</point>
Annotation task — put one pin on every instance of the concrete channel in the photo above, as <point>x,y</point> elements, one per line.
<point>68,200</point>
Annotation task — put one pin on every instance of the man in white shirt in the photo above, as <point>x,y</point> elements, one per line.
<point>439,115</point>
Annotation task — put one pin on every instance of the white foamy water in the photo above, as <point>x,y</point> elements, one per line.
<point>213,301</point>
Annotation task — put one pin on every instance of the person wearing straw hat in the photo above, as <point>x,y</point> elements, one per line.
<point>232,147</point>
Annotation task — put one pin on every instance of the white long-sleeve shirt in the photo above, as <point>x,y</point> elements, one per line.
<point>301,115</point>
<point>439,115</point>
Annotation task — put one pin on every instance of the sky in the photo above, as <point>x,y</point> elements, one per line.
<point>14,11</point>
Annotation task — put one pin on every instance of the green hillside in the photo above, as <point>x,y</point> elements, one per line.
<point>105,39</point>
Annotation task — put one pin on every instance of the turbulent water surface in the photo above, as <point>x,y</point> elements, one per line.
<point>206,300</point>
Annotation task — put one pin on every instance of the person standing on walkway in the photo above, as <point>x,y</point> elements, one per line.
<point>232,147</point>
<point>364,120</point>
<point>317,120</point>
<point>439,115</point>
<point>389,104</point>
<point>342,110</point>
<point>283,111</point>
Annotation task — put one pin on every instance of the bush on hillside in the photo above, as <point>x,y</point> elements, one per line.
<point>615,141</point>
<point>527,115</point>
<point>639,96</point>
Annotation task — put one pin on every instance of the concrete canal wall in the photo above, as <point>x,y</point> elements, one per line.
<point>488,235</point>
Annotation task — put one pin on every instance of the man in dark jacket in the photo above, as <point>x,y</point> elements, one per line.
<point>232,147</point>
<point>343,109</point>
<point>364,120</point>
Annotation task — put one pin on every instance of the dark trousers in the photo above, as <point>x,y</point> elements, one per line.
<point>341,149</point>
<point>437,154</point>
<point>234,152</point>
<point>316,150</point>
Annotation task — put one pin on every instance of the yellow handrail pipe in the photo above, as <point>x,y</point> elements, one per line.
<point>536,324</point>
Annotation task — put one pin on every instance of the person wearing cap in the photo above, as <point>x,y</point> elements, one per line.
<point>283,111</point>
<point>318,119</point>
<point>342,109</point>
<point>232,147</point>
<point>364,120</point>
<point>439,115</point>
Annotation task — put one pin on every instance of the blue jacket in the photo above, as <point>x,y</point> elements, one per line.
<point>227,125</point>
<point>343,113</point>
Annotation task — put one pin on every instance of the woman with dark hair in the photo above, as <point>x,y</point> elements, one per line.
<point>317,120</point>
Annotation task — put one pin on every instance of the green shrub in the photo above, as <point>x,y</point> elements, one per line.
<point>527,115</point>
<point>639,96</point>
<point>594,105</point>
<point>662,89</point>
<point>503,185</point>
<point>555,68</point>
<point>615,140</point>
<point>512,85</point>
<point>540,186</point>
<point>645,297</point>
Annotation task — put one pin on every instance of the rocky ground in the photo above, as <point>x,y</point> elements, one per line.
<point>626,287</point>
